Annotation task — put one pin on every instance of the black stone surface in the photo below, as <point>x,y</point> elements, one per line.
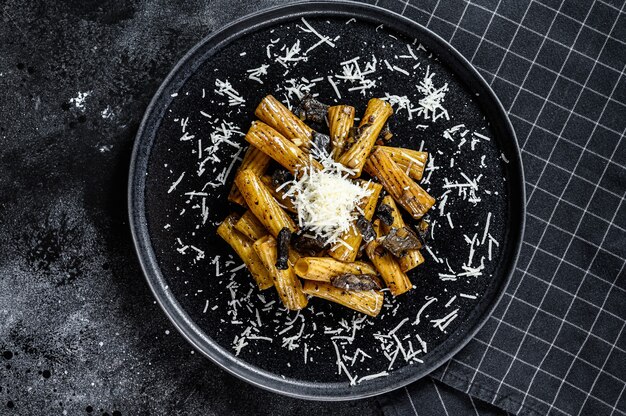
<point>79,330</point>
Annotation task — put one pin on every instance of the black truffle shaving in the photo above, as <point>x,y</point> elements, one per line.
<point>307,244</point>
<point>280,176</point>
<point>321,141</point>
<point>399,240</point>
<point>310,109</point>
<point>282,257</point>
<point>356,282</point>
<point>385,214</point>
<point>361,253</point>
<point>365,228</point>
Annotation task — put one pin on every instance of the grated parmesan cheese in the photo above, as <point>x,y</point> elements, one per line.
<point>402,102</point>
<point>326,199</point>
<point>256,73</point>
<point>431,106</point>
<point>224,88</point>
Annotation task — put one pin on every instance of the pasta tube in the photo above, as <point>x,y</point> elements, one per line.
<point>278,147</point>
<point>348,248</point>
<point>402,188</point>
<point>286,282</point>
<point>285,202</point>
<point>275,114</point>
<point>340,121</point>
<point>368,302</point>
<point>243,247</point>
<point>411,161</point>
<point>324,268</point>
<point>256,161</point>
<point>412,258</point>
<point>375,117</point>
<point>250,226</point>
<point>262,203</point>
<point>397,281</point>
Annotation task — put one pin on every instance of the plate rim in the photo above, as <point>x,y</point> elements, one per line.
<point>223,357</point>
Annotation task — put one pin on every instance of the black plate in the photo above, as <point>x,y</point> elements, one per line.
<point>195,292</point>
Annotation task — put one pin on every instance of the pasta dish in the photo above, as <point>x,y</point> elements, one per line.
<point>339,216</point>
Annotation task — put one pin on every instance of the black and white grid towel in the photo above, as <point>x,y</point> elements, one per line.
<point>556,343</point>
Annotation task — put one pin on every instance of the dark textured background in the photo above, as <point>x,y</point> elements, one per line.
<point>78,326</point>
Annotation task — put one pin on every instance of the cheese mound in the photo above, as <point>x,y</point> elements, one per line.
<point>326,200</point>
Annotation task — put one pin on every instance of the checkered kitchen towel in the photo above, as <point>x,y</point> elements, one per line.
<point>556,343</point>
